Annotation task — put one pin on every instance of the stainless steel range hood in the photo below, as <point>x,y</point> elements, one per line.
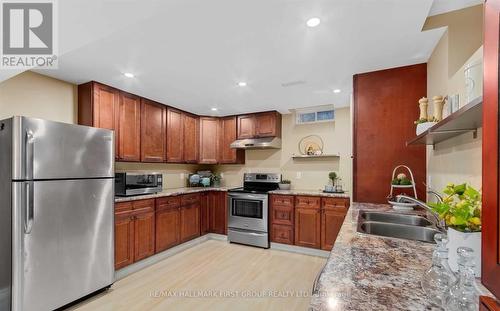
<point>257,143</point>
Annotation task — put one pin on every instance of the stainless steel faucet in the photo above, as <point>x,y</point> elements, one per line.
<point>440,224</point>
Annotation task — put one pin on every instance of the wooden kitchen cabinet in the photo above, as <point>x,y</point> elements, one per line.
<point>331,222</point>
<point>134,231</point>
<point>190,138</point>
<point>268,124</point>
<point>144,234</point>
<point>259,125</point>
<point>167,232</point>
<point>129,128</point>
<point>190,217</point>
<point>175,134</point>
<point>124,239</point>
<point>282,218</point>
<point>204,213</point>
<point>153,131</point>
<point>246,126</point>
<point>308,227</point>
<point>282,234</point>
<point>218,212</point>
<point>98,107</point>
<point>228,134</point>
<point>209,140</point>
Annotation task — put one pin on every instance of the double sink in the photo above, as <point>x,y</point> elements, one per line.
<point>403,226</point>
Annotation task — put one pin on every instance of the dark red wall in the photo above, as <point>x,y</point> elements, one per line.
<point>385,107</point>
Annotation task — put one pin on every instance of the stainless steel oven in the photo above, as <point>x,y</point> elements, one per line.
<point>249,210</point>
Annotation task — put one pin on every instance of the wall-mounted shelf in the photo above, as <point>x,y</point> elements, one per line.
<point>321,156</point>
<point>467,119</point>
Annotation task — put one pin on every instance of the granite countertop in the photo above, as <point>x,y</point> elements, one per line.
<point>310,192</point>
<point>366,272</point>
<point>170,192</point>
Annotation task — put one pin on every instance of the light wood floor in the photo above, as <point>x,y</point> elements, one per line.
<point>218,267</point>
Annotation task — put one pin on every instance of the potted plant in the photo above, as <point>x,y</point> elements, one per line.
<point>285,184</point>
<point>461,211</point>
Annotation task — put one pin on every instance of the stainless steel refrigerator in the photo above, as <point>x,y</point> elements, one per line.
<point>56,213</point>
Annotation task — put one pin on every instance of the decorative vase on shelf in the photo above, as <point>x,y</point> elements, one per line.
<point>464,239</point>
<point>438,107</point>
<point>423,103</point>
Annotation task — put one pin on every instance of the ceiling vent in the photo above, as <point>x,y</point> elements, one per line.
<point>293,83</point>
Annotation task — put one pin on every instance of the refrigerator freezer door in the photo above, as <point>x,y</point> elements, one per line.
<point>53,150</point>
<point>68,253</point>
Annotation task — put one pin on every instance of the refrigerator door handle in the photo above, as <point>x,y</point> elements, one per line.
<point>29,208</point>
<point>30,144</point>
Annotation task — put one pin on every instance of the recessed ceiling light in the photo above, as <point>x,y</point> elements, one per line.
<point>242,83</point>
<point>128,75</point>
<point>336,91</point>
<point>214,109</point>
<point>313,22</point>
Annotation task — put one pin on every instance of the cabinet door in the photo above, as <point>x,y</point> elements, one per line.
<point>167,228</point>
<point>129,131</point>
<point>246,126</point>
<point>124,240</point>
<point>98,106</point>
<point>228,135</point>
<point>209,142</point>
<point>175,131</point>
<point>190,138</point>
<point>331,222</point>
<point>204,213</point>
<point>153,131</point>
<point>218,214</point>
<point>144,235</point>
<point>308,227</point>
<point>190,222</point>
<point>268,124</point>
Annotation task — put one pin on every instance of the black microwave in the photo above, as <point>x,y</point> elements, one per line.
<point>128,184</point>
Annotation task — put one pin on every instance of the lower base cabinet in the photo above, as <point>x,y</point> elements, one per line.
<point>190,222</point>
<point>308,227</point>
<point>146,227</point>
<point>168,219</point>
<point>134,231</point>
<point>307,221</point>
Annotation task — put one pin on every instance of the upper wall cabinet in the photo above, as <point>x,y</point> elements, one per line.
<point>153,131</point>
<point>98,107</point>
<point>175,133</point>
<point>227,136</point>
<point>246,126</point>
<point>268,124</point>
<point>129,128</point>
<point>209,140</point>
<point>259,125</point>
<point>190,138</point>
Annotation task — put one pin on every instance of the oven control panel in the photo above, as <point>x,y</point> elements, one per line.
<point>262,177</point>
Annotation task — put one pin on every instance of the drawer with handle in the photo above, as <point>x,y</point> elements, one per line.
<point>168,203</point>
<point>282,215</point>
<point>307,202</point>
<point>189,199</point>
<point>282,200</point>
<point>282,234</point>
<point>337,204</point>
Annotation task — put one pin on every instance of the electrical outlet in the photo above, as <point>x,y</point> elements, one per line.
<point>298,175</point>
<point>221,175</point>
<point>181,176</point>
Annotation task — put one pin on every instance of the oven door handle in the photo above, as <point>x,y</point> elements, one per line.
<point>248,196</point>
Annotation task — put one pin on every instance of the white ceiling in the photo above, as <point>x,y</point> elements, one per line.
<point>443,6</point>
<point>191,53</point>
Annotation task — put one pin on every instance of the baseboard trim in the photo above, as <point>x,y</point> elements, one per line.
<point>128,270</point>
<point>300,250</point>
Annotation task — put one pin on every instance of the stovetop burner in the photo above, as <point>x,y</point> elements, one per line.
<point>258,183</point>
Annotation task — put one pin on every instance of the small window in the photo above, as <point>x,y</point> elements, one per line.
<point>315,115</point>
